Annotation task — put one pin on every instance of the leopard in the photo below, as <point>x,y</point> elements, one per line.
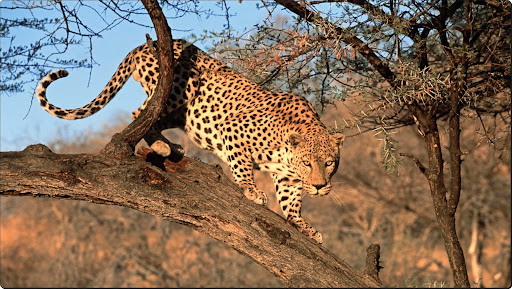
<point>247,125</point>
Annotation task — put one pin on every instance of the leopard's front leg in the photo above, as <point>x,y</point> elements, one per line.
<point>289,195</point>
<point>241,166</point>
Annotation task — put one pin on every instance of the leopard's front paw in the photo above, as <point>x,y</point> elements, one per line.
<point>255,195</point>
<point>312,233</point>
<point>317,237</point>
<point>306,229</point>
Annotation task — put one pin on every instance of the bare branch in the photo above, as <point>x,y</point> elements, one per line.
<point>356,43</point>
<point>132,134</point>
<point>418,163</point>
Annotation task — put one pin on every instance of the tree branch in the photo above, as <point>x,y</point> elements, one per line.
<point>198,195</point>
<point>377,12</point>
<point>356,43</point>
<point>418,163</point>
<point>123,143</point>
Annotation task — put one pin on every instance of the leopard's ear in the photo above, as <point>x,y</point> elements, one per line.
<point>338,138</point>
<point>295,139</point>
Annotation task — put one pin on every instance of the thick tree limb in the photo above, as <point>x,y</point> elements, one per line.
<point>195,195</point>
<point>123,143</point>
<point>199,196</point>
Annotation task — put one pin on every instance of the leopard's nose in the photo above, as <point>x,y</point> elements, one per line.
<point>318,187</point>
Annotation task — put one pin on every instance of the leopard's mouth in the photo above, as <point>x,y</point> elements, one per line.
<point>311,190</point>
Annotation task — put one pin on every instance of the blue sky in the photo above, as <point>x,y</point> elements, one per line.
<point>22,120</point>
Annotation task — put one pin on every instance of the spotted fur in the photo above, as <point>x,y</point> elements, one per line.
<point>246,125</point>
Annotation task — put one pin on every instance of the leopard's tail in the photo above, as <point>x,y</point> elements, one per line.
<point>123,72</point>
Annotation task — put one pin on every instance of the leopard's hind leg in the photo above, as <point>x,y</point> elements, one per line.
<point>185,86</point>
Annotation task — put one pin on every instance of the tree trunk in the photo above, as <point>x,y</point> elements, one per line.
<point>198,195</point>
<point>444,209</point>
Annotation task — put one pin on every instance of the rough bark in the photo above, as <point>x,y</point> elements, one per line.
<point>197,195</point>
<point>373,262</point>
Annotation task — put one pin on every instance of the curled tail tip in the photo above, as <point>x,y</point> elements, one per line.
<point>58,74</point>
<point>62,73</point>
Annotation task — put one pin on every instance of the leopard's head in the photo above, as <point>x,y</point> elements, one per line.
<point>315,158</point>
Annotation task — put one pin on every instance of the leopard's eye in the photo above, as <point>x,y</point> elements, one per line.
<point>329,163</point>
<point>306,163</point>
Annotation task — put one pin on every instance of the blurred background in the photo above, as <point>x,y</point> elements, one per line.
<point>60,243</point>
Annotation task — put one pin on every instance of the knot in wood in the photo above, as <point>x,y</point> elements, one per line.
<point>38,149</point>
<point>152,177</point>
<point>273,231</point>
